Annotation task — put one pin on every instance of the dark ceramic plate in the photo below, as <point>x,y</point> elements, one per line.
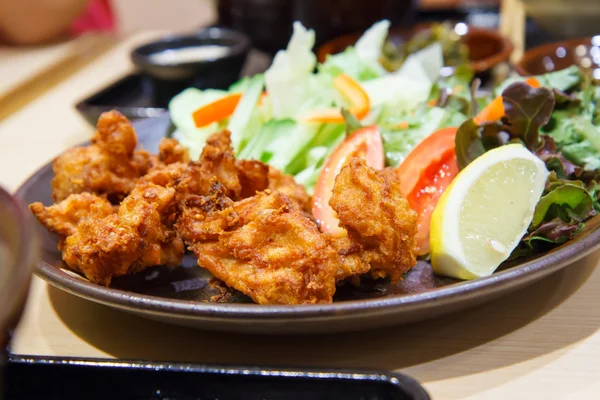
<point>133,380</point>
<point>182,295</point>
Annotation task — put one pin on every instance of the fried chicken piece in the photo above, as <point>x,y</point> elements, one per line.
<point>240,178</point>
<point>170,151</point>
<point>217,160</point>
<point>64,217</point>
<point>109,166</point>
<point>270,252</point>
<point>351,261</point>
<point>253,176</point>
<point>103,245</point>
<point>382,230</point>
<point>206,217</point>
<point>288,186</point>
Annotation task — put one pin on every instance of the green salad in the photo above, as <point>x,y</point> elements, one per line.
<point>272,128</point>
<point>295,115</point>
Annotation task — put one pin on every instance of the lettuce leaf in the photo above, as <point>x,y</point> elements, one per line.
<point>527,109</point>
<point>559,215</point>
<point>397,143</point>
<point>181,108</point>
<point>360,61</point>
<point>241,124</point>
<point>570,202</point>
<point>348,62</point>
<point>474,140</point>
<point>555,160</point>
<point>258,147</point>
<point>287,79</point>
<point>370,44</point>
<point>577,138</point>
<point>563,80</point>
<point>431,59</point>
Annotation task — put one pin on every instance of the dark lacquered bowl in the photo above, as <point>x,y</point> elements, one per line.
<point>487,48</point>
<point>217,70</point>
<point>584,52</point>
<point>18,254</point>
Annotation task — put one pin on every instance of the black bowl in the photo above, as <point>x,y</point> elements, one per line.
<point>217,72</point>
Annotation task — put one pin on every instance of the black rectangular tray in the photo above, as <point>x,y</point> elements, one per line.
<point>29,378</point>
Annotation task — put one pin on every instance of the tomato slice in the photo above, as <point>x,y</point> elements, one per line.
<point>432,148</point>
<point>366,143</point>
<point>424,197</point>
<point>424,175</point>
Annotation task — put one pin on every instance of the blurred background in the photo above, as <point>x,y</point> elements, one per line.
<point>267,21</point>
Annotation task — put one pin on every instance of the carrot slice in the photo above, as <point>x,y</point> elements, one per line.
<point>492,112</point>
<point>495,110</point>
<point>400,125</point>
<point>216,111</point>
<point>263,96</point>
<point>533,82</point>
<point>357,96</point>
<point>350,89</point>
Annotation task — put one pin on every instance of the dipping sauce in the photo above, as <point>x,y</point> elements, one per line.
<point>189,54</point>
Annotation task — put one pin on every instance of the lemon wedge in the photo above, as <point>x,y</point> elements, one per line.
<point>484,213</point>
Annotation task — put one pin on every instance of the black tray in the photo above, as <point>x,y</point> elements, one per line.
<point>56,378</point>
<point>133,96</point>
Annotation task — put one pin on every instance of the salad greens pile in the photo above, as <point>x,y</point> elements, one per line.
<point>558,119</point>
<point>272,129</point>
<point>558,122</point>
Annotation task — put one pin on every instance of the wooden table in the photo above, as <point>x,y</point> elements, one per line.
<point>540,343</point>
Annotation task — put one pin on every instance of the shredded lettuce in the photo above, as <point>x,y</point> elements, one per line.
<point>242,125</point>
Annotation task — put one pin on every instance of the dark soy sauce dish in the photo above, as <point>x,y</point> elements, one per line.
<point>211,58</point>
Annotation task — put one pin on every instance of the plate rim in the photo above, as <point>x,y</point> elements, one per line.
<point>520,274</point>
<point>385,304</point>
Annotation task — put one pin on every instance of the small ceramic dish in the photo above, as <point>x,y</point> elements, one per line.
<point>18,255</point>
<point>584,52</point>
<point>211,58</point>
<point>487,48</point>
